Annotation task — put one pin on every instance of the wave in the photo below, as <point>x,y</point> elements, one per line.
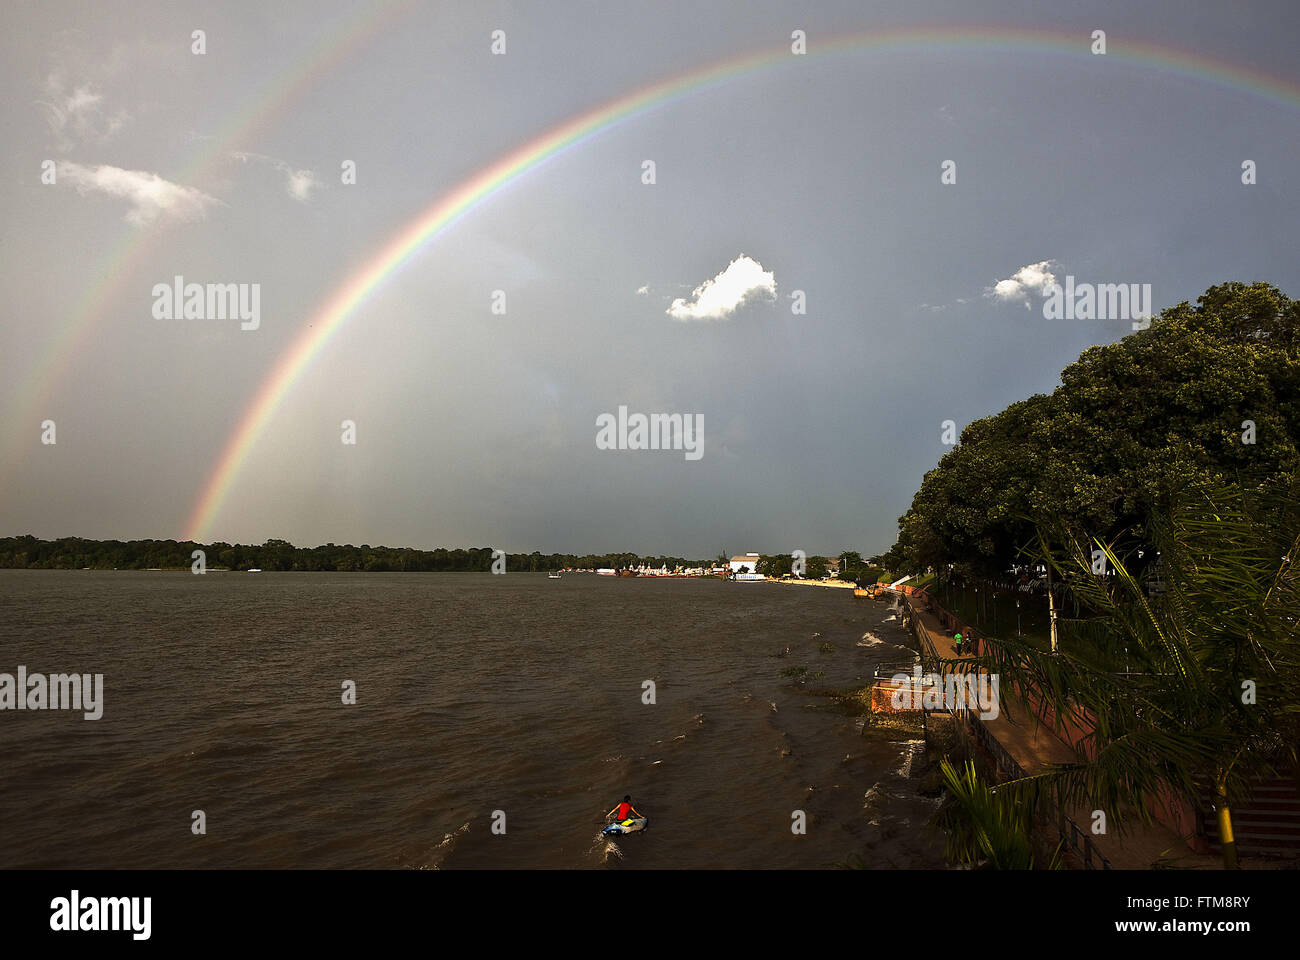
<point>911,750</point>
<point>443,849</point>
<point>605,850</point>
<point>873,802</point>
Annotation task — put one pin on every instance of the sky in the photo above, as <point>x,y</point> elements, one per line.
<point>793,273</point>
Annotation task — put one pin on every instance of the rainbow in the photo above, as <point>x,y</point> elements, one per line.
<point>259,112</point>
<point>343,303</point>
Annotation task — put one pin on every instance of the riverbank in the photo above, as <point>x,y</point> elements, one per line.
<point>1017,744</point>
<point>833,584</point>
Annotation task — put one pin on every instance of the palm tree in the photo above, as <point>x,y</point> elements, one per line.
<point>1196,684</point>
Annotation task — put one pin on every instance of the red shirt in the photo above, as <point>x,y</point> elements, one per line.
<point>624,810</point>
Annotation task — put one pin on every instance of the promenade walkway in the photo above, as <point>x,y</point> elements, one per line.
<point>1033,745</point>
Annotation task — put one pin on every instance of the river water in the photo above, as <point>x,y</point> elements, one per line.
<point>475,694</point>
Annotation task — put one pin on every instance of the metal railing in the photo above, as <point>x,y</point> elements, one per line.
<point>1005,762</point>
<point>1078,840</point>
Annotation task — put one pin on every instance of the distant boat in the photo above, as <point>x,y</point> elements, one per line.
<point>552,576</point>
<point>255,570</point>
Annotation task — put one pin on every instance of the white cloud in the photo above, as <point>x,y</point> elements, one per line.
<point>742,281</point>
<point>1033,278</point>
<point>642,291</point>
<point>299,183</point>
<point>150,195</point>
<point>76,114</point>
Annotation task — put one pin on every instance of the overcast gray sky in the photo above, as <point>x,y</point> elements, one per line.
<point>475,428</point>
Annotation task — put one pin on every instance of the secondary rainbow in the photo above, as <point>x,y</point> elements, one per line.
<point>259,112</point>
<point>342,304</point>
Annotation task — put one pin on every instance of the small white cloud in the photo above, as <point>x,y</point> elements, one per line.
<point>642,291</point>
<point>76,114</point>
<point>1033,278</point>
<point>742,281</point>
<point>149,195</point>
<point>299,183</point>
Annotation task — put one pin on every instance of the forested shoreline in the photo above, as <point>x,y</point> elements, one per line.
<point>75,553</point>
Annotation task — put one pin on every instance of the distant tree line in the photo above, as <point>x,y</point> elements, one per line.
<point>781,564</point>
<point>74,553</point>
<point>852,567</point>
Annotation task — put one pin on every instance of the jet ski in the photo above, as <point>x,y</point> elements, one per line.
<point>631,825</point>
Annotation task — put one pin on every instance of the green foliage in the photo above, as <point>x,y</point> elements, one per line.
<point>781,564</point>
<point>1131,422</point>
<point>988,827</point>
<point>863,576</point>
<point>1216,617</point>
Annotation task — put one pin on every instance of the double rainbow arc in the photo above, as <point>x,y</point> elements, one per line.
<point>343,303</point>
<point>259,112</point>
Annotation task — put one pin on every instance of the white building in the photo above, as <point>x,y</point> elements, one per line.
<point>746,564</point>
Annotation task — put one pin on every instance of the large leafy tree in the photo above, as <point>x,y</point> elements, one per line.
<point>1207,392</point>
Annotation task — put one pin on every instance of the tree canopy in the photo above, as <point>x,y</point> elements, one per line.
<point>1208,393</point>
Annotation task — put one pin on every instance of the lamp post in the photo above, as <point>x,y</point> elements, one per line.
<point>1051,607</point>
<point>1018,618</point>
